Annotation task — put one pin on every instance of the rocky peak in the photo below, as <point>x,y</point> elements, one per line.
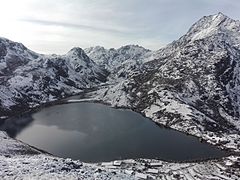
<point>76,51</point>
<point>77,54</point>
<point>16,49</point>
<point>96,48</point>
<point>215,33</point>
<point>14,55</point>
<point>120,62</point>
<point>99,54</point>
<point>212,25</point>
<point>133,50</point>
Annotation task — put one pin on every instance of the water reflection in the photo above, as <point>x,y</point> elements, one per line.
<point>14,126</point>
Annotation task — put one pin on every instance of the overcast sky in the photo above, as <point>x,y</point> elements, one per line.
<point>55,26</point>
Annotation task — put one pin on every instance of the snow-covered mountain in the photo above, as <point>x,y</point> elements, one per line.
<point>207,59</point>
<point>192,84</point>
<point>122,62</point>
<point>29,79</point>
<point>201,70</point>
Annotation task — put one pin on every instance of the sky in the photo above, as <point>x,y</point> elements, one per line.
<point>55,26</point>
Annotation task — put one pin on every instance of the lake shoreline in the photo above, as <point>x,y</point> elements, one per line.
<point>66,101</point>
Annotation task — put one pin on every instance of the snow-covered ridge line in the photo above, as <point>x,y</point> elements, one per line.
<point>121,62</point>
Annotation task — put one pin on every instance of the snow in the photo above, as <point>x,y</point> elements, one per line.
<point>155,164</point>
<point>205,32</point>
<point>122,62</point>
<point>141,175</point>
<point>130,172</point>
<point>78,100</point>
<point>19,82</point>
<point>151,110</point>
<point>229,118</point>
<point>175,106</point>
<point>172,106</point>
<point>211,25</point>
<point>6,97</point>
<point>107,164</point>
<point>117,163</point>
<point>114,95</point>
<point>46,167</point>
<point>153,171</point>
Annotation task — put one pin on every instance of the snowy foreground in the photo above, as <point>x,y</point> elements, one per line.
<point>19,161</point>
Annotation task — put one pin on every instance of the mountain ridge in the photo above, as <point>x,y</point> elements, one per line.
<point>128,57</point>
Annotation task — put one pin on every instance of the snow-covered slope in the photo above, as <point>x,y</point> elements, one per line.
<point>28,79</point>
<point>122,62</point>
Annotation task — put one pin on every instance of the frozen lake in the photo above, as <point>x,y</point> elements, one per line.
<point>94,133</point>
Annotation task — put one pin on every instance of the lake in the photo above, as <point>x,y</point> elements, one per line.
<point>94,132</point>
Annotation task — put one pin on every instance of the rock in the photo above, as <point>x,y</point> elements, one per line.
<point>107,164</point>
<point>156,164</point>
<point>65,169</point>
<point>141,175</point>
<point>130,172</point>
<point>117,163</point>
<point>74,165</point>
<point>153,171</point>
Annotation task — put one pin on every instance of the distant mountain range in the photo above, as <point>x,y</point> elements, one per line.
<point>192,84</point>
<point>121,62</point>
<point>29,79</point>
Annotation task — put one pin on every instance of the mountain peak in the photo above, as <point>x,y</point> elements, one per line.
<point>220,18</point>
<point>220,15</point>
<point>77,54</point>
<point>132,47</point>
<point>76,50</point>
<point>210,25</point>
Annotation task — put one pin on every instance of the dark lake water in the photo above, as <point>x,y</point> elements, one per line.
<point>94,132</point>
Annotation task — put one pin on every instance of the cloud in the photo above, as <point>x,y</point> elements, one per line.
<point>77,26</point>
<point>57,25</point>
